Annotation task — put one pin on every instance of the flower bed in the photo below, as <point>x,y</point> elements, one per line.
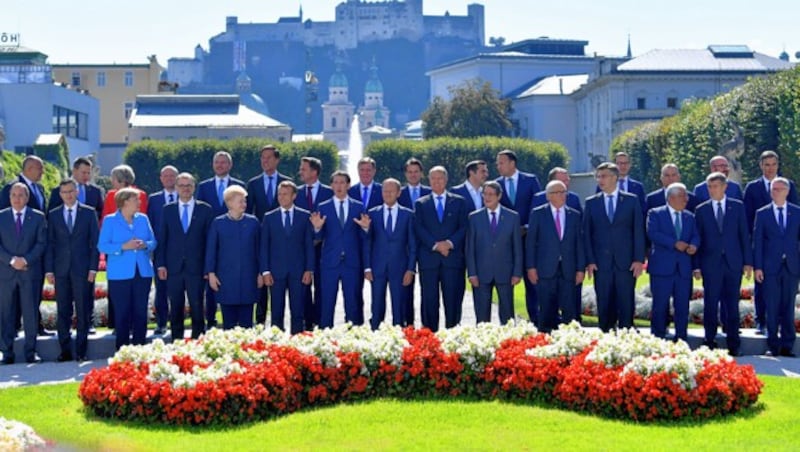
<point>231,377</point>
<point>16,436</point>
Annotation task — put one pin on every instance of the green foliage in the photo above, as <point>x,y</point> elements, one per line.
<point>454,153</point>
<point>195,156</point>
<point>57,154</point>
<point>475,109</point>
<point>12,166</point>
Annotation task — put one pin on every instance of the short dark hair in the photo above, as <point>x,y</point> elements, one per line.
<point>768,155</point>
<point>608,166</point>
<point>68,182</point>
<point>342,174</point>
<point>493,184</point>
<point>472,167</point>
<point>271,147</point>
<point>413,161</point>
<point>369,160</point>
<point>313,163</point>
<point>81,161</point>
<point>509,153</point>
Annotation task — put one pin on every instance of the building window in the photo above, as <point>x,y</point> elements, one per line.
<point>672,102</point>
<point>641,104</point>
<point>128,78</point>
<point>333,123</point>
<point>76,79</point>
<point>128,109</point>
<point>101,79</point>
<point>70,123</point>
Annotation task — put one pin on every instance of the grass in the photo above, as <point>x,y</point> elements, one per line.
<point>56,414</point>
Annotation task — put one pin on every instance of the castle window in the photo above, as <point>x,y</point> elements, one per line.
<point>333,123</point>
<point>672,102</point>
<point>641,103</point>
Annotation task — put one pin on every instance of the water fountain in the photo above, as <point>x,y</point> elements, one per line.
<point>355,149</point>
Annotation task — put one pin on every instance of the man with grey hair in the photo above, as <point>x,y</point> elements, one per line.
<point>155,207</point>
<point>670,174</point>
<point>718,164</point>
<point>674,237</point>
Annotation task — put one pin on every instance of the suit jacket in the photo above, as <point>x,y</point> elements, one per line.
<point>614,244</point>
<point>527,187</point>
<point>637,188</point>
<point>287,254</point>
<point>375,195</point>
<point>155,208</point>
<point>405,195</point>
<point>729,249</point>
<point>122,264</point>
<point>545,251</point>
<point>257,202</point>
<point>573,201</point>
<point>756,197</point>
<point>33,202</point>
<point>95,197</point>
<point>341,246</point>
<point>72,252</point>
<point>658,198</point>
<point>664,259</point>
<point>324,193</point>
<point>494,257</point>
<point>733,190</point>
<point>429,230</point>
<point>232,254</point>
<point>31,244</point>
<point>770,245</point>
<point>463,191</point>
<point>183,253</point>
<point>207,192</point>
<point>391,254</point>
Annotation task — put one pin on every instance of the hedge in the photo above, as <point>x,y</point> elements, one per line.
<point>12,166</point>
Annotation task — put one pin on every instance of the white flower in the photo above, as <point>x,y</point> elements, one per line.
<point>16,436</point>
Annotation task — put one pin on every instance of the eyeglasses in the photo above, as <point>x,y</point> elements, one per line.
<point>185,186</point>
<point>558,192</point>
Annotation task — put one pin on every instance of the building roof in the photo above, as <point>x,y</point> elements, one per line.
<point>377,130</point>
<point>555,85</point>
<point>49,139</point>
<point>511,55</point>
<point>197,111</point>
<point>710,59</point>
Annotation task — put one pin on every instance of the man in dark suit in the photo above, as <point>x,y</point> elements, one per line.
<point>390,256</point>
<point>494,255</point>
<point>673,234</point>
<point>414,189</point>
<point>718,164</point>
<point>670,174</point>
<point>338,224</point>
<point>776,241</point>
<point>70,264</point>
<point>309,197</point>
<point>262,193</point>
<point>88,193</point>
<point>23,239</point>
<point>476,174</point>
<point>287,257</point>
<point>180,254</point>
<point>555,256</point>
<point>210,191</point>
<point>757,195</point>
<point>367,190</point>
<point>155,207</point>
<point>613,228</point>
<point>626,183</point>
<point>519,189</point>
<point>440,224</point>
<point>725,253</point>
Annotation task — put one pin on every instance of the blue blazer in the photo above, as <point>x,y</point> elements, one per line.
<point>232,254</point>
<point>341,246</point>
<point>31,245</point>
<point>72,252</point>
<point>405,195</point>
<point>375,195</point>
<point>658,198</point>
<point>637,188</point>
<point>770,245</point>
<point>33,203</point>
<point>463,191</point>
<point>733,190</point>
<point>664,259</point>
<point>391,255</point>
<point>613,245</point>
<point>207,192</point>
<point>494,257</point>
<point>183,253</point>
<point>95,198</point>
<point>287,254</point>
<point>573,201</point>
<point>155,208</point>
<point>729,249</point>
<point>527,187</point>
<point>122,264</point>
<point>545,251</point>
<point>324,193</point>
<point>756,197</point>
<point>429,230</point>
<point>257,202</point>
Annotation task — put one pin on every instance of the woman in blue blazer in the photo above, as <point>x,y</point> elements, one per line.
<point>128,241</point>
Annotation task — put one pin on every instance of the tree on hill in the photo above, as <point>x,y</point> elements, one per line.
<point>475,109</point>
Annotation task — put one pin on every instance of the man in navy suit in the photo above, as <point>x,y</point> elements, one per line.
<point>674,237</point>
<point>757,195</point>
<point>338,224</point>
<point>390,256</point>
<point>494,255</point>
<point>367,190</point>
<point>70,264</point>
<point>210,191</point>
<point>23,239</point>
<point>180,255</point>
<point>309,197</point>
<point>414,189</point>
<point>613,228</point>
<point>262,197</point>
<point>88,193</point>
<point>476,174</point>
<point>555,256</point>
<point>776,241</point>
<point>627,183</point>
<point>718,164</point>
<point>670,174</point>
<point>155,207</point>
<point>440,224</point>
<point>287,257</point>
<point>519,189</point>
<point>725,253</point>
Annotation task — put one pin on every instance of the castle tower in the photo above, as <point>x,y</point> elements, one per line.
<point>373,113</point>
<point>338,111</point>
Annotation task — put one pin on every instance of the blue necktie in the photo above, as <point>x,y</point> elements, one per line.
<point>389,228</point>
<point>18,224</point>
<point>512,191</point>
<point>287,222</point>
<point>185,217</point>
<point>678,228</point>
<point>270,196</point>
<point>781,223</point>
<point>220,190</point>
<point>39,197</point>
<point>610,208</point>
<point>720,216</point>
<point>439,208</point>
<point>81,194</point>
<point>365,197</point>
<point>414,194</point>
<point>70,222</point>
<point>341,214</point>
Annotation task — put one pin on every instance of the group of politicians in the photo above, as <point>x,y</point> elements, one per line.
<point>244,245</point>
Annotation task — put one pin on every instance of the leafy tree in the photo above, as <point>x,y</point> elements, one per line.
<point>475,109</point>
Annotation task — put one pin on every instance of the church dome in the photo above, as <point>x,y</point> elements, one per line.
<point>374,84</point>
<point>338,80</point>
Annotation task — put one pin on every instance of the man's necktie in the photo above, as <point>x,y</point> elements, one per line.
<point>678,228</point>
<point>365,197</point>
<point>622,185</point>
<point>389,228</point>
<point>270,195</point>
<point>494,223</point>
<point>440,208</point>
<point>720,216</point>
<point>185,217</point>
<point>512,191</point>
<point>781,223</point>
<point>39,197</point>
<point>82,193</point>
<point>341,213</point>
<point>310,198</point>
<point>171,198</point>
<point>414,194</point>
<point>558,223</point>
<point>19,224</point>
<point>610,207</point>
<point>220,191</point>
<point>287,222</point>
<point>70,221</point>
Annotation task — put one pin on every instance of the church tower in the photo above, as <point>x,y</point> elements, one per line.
<point>373,113</point>
<point>337,112</point>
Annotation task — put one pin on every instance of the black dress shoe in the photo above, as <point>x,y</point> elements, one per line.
<point>64,357</point>
<point>81,359</point>
<point>735,353</point>
<point>35,359</point>
<point>160,331</point>
<point>45,333</point>
<point>710,344</point>
<point>788,353</point>
<point>8,360</point>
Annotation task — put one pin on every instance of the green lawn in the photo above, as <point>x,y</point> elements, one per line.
<point>56,413</point>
